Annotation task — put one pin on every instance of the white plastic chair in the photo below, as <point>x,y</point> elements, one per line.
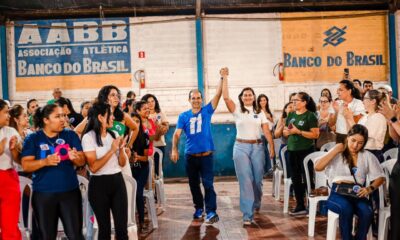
<point>159,181</point>
<point>333,221</point>
<point>278,172</point>
<point>84,187</point>
<point>327,146</point>
<point>384,211</point>
<point>131,187</point>
<point>149,195</point>
<point>25,230</point>
<point>320,181</point>
<point>287,182</point>
<point>390,154</point>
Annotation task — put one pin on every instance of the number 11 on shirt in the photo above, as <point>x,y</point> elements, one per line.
<point>193,120</point>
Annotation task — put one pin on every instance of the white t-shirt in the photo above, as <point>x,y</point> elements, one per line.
<point>89,144</point>
<point>159,118</point>
<point>6,161</point>
<point>248,125</point>
<point>367,165</point>
<point>377,126</point>
<point>356,106</point>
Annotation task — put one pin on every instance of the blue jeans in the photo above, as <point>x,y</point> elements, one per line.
<point>140,172</point>
<point>268,165</point>
<point>346,207</point>
<point>249,162</point>
<point>202,167</point>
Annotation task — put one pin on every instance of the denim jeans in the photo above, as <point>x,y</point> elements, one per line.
<point>249,160</point>
<point>268,162</point>
<point>346,207</point>
<point>140,172</point>
<point>202,167</point>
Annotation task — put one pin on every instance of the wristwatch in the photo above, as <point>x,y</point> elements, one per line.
<point>393,119</point>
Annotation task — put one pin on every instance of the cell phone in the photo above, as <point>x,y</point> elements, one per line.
<point>346,71</point>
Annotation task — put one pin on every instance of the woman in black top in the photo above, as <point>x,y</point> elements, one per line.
<point>140,167</point>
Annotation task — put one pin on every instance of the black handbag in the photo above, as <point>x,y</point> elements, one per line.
<point>348,189</point>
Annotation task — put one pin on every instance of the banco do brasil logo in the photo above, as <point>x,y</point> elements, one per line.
<point>334,36</point>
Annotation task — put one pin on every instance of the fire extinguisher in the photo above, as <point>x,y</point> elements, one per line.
<point>140,77</point>
<point>280,71</point>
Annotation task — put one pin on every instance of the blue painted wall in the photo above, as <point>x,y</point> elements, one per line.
<point>224,138</point>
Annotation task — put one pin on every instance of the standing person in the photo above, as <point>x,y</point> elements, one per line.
<point>130,95</point>
<point>85,106</point>
<point>326,92</point>
<point>104,154</point>
<point>160,119</point>
<point>394,191</point>
<point>349,166</point>
<point>301,129</point>
<point>140,168</point>
<point>51,154</point>
<point>368,85</point>
<point>57,93</point>
<point>324,114</point>
<point>196,123</point>
<point>374,121</point>
<point>31,106</point>
<point>248,151</point>
<point>111,95</point>
<point>263,106</point>
<point>288,108</point>
<point>10,196</point>
<point>19,121</point>
<point>348,101</point>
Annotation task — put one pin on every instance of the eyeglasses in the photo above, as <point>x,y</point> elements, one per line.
<point>115,95</point>
<point>323,101</point>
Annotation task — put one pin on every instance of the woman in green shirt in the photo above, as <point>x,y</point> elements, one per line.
<point>301,128</point>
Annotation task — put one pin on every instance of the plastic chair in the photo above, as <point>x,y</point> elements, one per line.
<point>384,211</point>
<point>390,154</point>
<point>149,195</point>
<point>333,222</point>
<point>159,182</point>
<point>320,181</point>
<point>25,230</point>
<point>278,172</point>
<point>84,187</point>
<point>131,186</point>
<point>287,182</point>
<point>327,146</point>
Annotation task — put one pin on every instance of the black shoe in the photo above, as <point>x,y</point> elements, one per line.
<point>299,210</point>
<point>143,228</point>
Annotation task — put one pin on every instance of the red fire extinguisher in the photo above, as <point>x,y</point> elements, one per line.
<point>280,71</point>
<point>140,77</point>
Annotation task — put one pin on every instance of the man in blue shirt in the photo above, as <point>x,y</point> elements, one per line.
<point>196,123</point>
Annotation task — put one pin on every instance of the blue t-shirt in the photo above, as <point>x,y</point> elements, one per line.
<point>197,128</point>
<point>60,178</point>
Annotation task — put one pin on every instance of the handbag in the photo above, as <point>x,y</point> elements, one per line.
<point>348,189</point>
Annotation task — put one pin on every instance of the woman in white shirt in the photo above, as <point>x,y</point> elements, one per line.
<point>10,197</point>
<point>374,121</point>
<point>350,164</point>
<point>248,151</point>
<point>103,151</point>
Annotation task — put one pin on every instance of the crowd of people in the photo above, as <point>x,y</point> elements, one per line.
<point>107,138</point>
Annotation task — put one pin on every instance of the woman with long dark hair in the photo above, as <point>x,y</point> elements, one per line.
<point>85,106</point>
<point>248,151</point>
<point>301,130</point>
<point>10,197</point>
<point>140,168</point>
<point>111,95</point>
<point>263,106</point>
<point>349,165</point>
<point>51,154</point>
<point>160,119</point>
<point>105,156</point>
<point>349,101</point>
